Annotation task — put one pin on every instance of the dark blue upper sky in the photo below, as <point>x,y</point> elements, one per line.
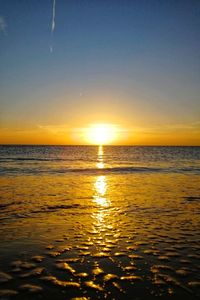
<point>136,62</point>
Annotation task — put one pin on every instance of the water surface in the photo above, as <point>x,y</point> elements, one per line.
<point>99,222</point>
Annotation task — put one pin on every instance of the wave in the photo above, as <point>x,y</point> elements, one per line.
<point>74,208</point>
<point>116,170</point>
<point>52,159</point>
<point>5,205</point>
<point>6,159</point>
<point>96,171</point>
<point>191,198</point>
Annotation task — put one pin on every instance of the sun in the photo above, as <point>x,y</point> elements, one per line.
<point>100,134</point>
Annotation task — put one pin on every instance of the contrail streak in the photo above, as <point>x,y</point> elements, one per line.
<point>53,17</point>
<point>53,24</point>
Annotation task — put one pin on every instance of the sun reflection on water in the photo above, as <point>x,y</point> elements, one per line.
<point>100,151</point>
<point>100,191</point>
<point>102,202</point>
<point>100,163</point>
<point>100,184</point>
<point>100,198</point>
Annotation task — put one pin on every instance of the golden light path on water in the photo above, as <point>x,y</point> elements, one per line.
<point>100,190</point>
<point>100,185</point>
<point>100,162</point>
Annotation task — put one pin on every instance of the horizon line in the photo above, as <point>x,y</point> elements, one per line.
<point>97,145</point>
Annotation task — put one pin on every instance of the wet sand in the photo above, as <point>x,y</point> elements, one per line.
<point>100,237</point>
<point>77,223</point>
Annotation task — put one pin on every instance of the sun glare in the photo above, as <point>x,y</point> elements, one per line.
<point>101,134</point>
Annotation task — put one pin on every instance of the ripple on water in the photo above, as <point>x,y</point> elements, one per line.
<point>89,243</point>
<point>140,243</point>
<point>73,259</point>
<point>194,284</point>
<point>130,268</point>
<point>156,268</point>
<point>63,248</point>
<point>110,277</point>
<point>172,254</point>
<point>35,272</point>
<point>37,258</point>
<point>97,271</point>
<point>65,267</point>
<point>158,281</point>
<point>31,288</point>
<point>23,264</point>
<point>92,285</point>
<point>110,246</point>
<point>117,286</point>
<point>194,256</point>
<point>60,240</point>
<point>80,298</point>
<point>84,253</point>
<point>134,247</point>
<point>154,252</point>
<point>82,247</point>
<point>135,256</point>
<point>131,278</point>
<point>183,272</point>
<point>54,253</point>
<point>82,275</point>
<point>4,277</point>
<point>16,263</point>
<point>185,261</point>
<point>173,281</point>
<point>118,254</point>
<point>50,247</point>
<point>16,270</point>
<point>61,283</point>
<point>7,293</point>
<point>100,255</point>
<point>163,257</point>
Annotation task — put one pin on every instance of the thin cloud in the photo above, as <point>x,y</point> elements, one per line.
<point>168,128</point>
<point>53,23</point>
<point>55,129</point>
<point>3,25</point>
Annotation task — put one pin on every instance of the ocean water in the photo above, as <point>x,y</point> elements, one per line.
<point>105,222</point>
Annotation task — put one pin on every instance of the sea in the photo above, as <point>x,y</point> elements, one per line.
<point>99,222</point>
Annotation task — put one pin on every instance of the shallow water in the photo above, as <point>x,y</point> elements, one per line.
<point>99,223</point>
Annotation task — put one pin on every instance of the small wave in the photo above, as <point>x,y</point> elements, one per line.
<point>93,171</point>
<point>61,206</point>
<point>5,205</point>
<point>48,209</point>
<point>192,198</point>
<point>51,159</point>
<point>116,170</point>
<point>189,169</point>
<point>126,170</point>
<point>12,159</point>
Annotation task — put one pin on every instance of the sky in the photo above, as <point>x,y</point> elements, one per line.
<point>67,64</point>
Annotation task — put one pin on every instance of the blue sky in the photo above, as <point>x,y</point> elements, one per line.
<point>136,63</point>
